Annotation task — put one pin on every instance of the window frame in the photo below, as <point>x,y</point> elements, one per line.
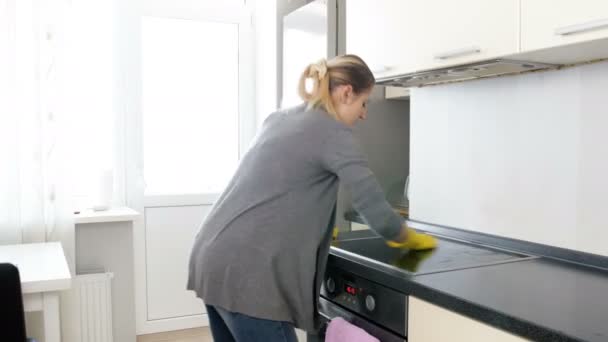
<point>194,10</point>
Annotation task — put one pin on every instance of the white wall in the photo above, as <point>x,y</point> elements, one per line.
<point>522,157</point>
<point>265,33</point>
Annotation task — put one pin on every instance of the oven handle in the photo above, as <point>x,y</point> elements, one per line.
<point>328,311</point>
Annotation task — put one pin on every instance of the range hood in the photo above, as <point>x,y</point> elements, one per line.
<point>464,72</point>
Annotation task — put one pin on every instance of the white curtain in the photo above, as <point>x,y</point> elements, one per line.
<point>58,123</point>
<point>35,194</point>
<point>20,174</point>
<point>32,210</point>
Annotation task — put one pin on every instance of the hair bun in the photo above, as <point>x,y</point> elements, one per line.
<point>318,69</point>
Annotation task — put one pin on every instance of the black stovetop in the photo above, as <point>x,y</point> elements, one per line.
<point>450,254</point>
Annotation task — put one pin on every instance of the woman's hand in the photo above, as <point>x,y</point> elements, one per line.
<point>410,239</point>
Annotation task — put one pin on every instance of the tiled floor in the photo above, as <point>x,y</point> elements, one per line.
<point>188,335</point>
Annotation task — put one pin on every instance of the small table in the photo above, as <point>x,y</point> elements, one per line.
<point>44,272</point>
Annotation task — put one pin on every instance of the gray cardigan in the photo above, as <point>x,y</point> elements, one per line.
<point>262,249</point>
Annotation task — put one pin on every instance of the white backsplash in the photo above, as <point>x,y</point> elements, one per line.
<point>523,156</point>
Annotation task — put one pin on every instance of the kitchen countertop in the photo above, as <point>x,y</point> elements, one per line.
<point>540,299</point>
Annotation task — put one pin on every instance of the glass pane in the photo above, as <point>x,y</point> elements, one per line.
<point>190,105</point>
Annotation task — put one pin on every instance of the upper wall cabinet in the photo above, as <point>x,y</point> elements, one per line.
<point>402,36</point>
<point>464,31</point>
<point>549,23</point>
<point>383,34</point>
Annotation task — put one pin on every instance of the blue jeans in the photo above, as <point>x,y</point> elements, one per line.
<point>229,326</point>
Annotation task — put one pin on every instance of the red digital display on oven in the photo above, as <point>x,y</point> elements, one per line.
<point>351,290</point>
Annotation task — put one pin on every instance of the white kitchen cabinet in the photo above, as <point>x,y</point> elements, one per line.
<point>550,23</point>
<point>383,34</point>
<point>398,36</point>
<point>430,323</point>
<point>465,31</point>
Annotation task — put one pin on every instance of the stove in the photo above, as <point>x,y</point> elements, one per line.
<point>450,254</point>
<point>377,308</point>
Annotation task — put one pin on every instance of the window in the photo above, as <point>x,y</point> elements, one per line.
<point>190,104</point>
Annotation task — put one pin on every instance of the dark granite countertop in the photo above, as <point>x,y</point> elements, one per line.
<point>540,299</point>
<point>560,301</point>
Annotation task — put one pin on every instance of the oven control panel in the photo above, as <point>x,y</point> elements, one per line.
<point>350,294</point>
<point>380,304</point>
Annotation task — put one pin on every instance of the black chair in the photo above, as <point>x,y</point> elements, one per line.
<point>12,324</point>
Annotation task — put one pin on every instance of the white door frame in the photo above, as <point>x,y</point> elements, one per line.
<point>135,185</point>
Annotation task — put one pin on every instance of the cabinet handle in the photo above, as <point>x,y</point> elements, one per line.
<point>578,28</point>
<point>458,52</point>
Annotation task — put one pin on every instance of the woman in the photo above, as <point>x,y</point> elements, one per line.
<point>259,258</point>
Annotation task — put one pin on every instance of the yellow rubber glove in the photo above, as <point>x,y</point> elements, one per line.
<point>412,260</point>
<point>415,241</point>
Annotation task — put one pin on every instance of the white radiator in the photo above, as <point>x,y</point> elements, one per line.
<point>94,294</point>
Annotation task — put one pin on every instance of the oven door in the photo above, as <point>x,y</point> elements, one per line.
<point>329,310</point>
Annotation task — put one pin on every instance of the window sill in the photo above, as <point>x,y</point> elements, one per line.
<point>121,214</point>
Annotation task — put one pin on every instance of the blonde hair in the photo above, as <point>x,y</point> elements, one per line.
<point>327,75</point>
